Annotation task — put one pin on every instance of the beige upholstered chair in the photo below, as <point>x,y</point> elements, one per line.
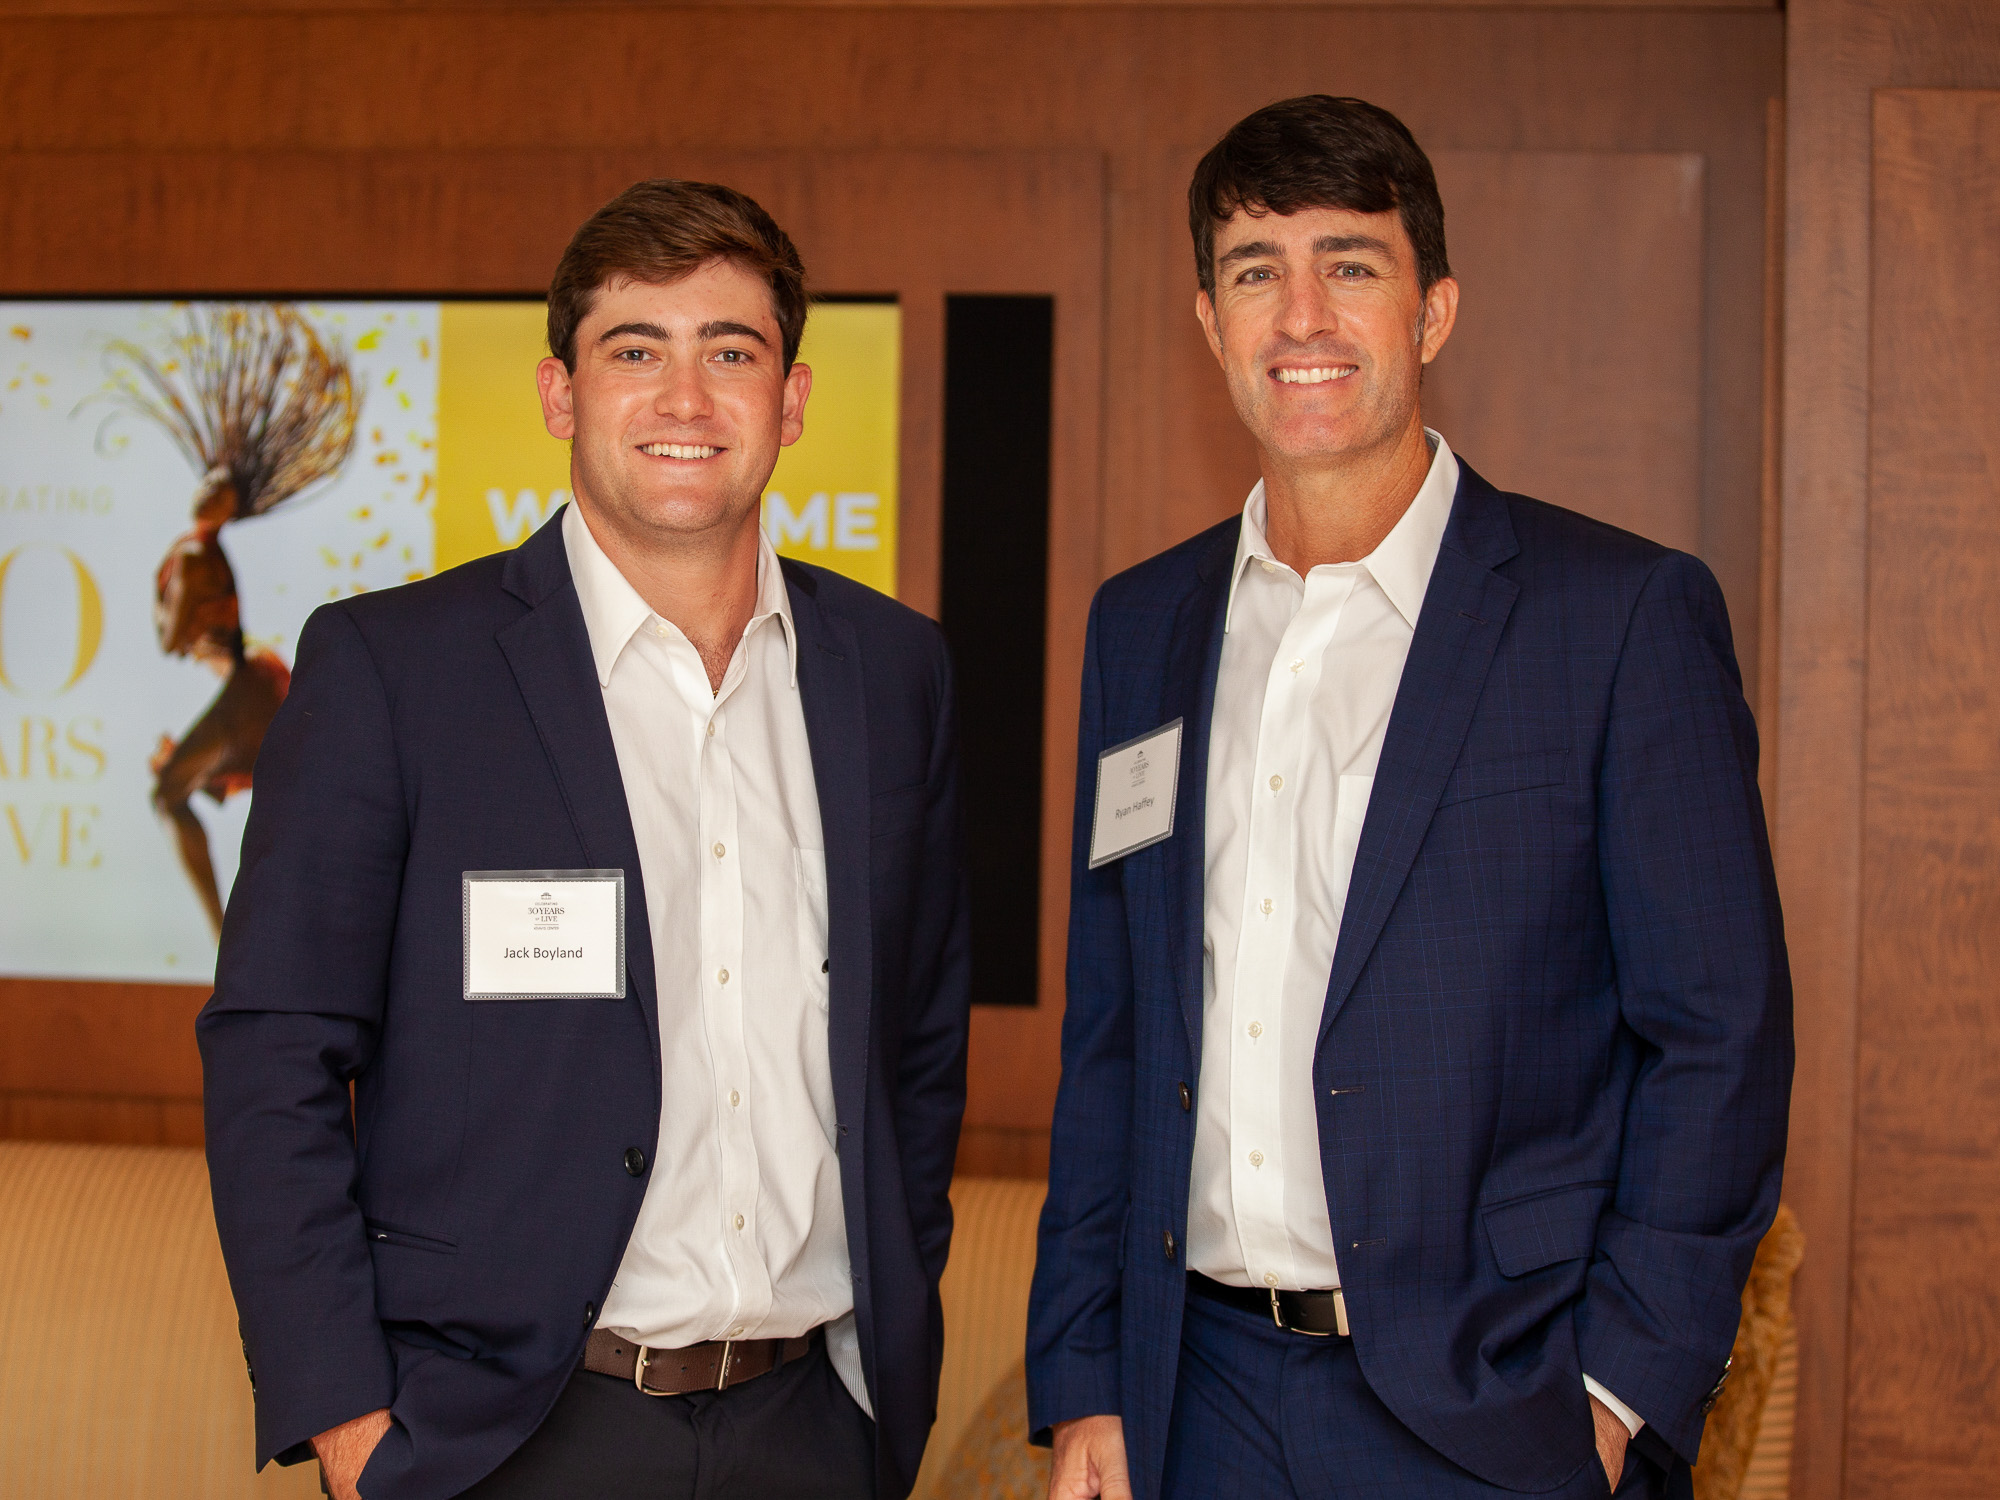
<point>1746,1451</point>
<point>120,1372</point>
<point>979,1447</point>
<point>120,1369</point>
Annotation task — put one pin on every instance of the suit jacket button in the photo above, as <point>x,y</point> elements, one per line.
<point>1167,1239</point>
<point>1187,1097</point>
<point>635,1160</point>
<point>589,1313</point>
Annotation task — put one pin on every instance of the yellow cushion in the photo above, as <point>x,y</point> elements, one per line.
<point>1735,1441</point>
<point>120,1369</point>
<point>985,1294</point>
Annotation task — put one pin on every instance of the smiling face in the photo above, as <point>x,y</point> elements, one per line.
<point>677,407</point>
<point>1322,332</point>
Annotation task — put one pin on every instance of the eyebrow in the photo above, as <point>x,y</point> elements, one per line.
<point>1326,244</point>
<point>714,329</point>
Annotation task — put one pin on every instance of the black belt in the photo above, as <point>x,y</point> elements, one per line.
<point>1323,1315</point>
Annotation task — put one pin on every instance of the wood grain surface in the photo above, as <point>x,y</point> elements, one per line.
<point>1925,1318</point>
<point>1838,52</point>
<point>922,150</point>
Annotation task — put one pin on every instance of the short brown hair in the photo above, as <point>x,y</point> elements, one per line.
<point>661,230</point>
<point>1318,151</point>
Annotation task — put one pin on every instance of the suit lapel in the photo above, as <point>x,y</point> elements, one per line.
<point>548,649</point>
<point>830,693</point>
<point>1194,655</point>
<point>1465,609</point>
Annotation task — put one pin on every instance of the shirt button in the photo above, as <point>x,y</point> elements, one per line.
<point>1256,1028</point>
<point>1268,567</point>
<point>734,1098</point>
<point>1277,785</point>
<point>1256,1158</point>
<point>1298,665</point>
<point>660,630</point>
<point>635,1160</point>
<point>722,976</point>
<point>719,849</point>
<point>1269,1279</point>
<point>711,728</point>
<point>1267,906</point>
<point>739,1221</point>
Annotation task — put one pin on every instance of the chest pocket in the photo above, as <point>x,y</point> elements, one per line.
<point>1498,775</point>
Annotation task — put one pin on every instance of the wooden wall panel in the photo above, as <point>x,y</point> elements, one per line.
<point>452,146</point>
<point>1838,52</point>
<point>99,1062</point>
<point>1926,1300</point>
<point>1573,373</point>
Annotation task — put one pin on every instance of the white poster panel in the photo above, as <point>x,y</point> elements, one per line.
<point>127,563</point>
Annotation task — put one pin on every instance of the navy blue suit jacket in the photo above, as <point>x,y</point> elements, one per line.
<point>444,1255</point>
<point>1553,1067</point>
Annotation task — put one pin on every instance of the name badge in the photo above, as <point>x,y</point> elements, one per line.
<point>544,934</point>
<point>1135,794</point>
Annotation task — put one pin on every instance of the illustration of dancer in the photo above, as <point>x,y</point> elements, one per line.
<point>262,408</point>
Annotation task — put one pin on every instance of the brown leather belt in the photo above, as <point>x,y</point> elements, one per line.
<point>714,1366</point>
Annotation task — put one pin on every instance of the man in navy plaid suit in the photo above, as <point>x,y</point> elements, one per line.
<point>1428,1045</point>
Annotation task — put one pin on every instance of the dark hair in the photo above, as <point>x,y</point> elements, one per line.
<point>1318,152</point>
<point>662,230</point>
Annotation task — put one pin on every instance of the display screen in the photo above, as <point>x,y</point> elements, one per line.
<point>182,483</point>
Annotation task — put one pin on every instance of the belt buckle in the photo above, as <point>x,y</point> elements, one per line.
<point>722,1369</point>
<point>645,1357</point>
<point>1339,1312</point>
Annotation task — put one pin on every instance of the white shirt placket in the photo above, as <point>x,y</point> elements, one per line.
<point>1258,1035</point>
<point>722,987</point>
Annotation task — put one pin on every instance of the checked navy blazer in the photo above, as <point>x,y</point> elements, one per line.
<point>443,1251</point>
<point>1554,1065</point>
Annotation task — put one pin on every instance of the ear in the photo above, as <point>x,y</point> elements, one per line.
<point>552,379</point>
<point>1440,313</point>
<point>1204,310</point>
<point>798,386</point>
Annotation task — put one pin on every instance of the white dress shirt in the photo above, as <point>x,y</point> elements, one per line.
<point>740,1233</point>
<point>1309,672</point>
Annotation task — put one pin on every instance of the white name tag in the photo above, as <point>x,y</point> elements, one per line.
<point>1135,794</point>
<point>544,934</point>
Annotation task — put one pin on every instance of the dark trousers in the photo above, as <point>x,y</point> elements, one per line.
<point>793,1432</point>
<point>1264,1414</point>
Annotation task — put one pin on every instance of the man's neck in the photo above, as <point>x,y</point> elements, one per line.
<point>706,586</point>
<point>1340,512</point>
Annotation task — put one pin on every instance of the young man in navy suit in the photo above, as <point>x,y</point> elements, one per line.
<point>1428,1043</point>
<point>620,876</point>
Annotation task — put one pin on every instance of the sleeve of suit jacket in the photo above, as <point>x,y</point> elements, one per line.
<point>300,982</point>
<point>1703,982</point>
<point>930,1078</point>
<point>1073,1341</point>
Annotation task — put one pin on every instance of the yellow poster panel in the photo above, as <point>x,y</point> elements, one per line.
<point>831,501</point>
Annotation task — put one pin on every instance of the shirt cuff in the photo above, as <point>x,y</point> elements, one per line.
<point>1632,1420</point>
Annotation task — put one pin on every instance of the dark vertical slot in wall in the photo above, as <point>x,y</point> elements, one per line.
<point>998,386</point>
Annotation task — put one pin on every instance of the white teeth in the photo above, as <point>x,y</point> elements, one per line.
<point>678,450</point>
<point>1315,376</point>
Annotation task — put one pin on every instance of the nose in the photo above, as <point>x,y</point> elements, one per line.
<point>683,392</point>
<point>1309,309</point>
